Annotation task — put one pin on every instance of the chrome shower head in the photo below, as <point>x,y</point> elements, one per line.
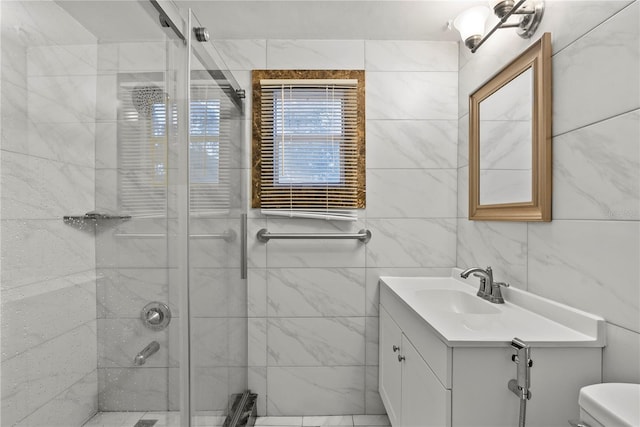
<point>145,97</point>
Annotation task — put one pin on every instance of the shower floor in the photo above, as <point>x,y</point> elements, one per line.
<point>214,419</point>
<point>164,419</point>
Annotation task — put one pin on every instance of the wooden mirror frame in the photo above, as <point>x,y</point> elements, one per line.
<point>537,58</point>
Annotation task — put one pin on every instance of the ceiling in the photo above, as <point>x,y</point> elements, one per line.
<point>281,19</point>
<point>308,19</point>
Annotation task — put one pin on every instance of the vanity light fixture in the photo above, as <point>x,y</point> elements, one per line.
<point>471,22</point>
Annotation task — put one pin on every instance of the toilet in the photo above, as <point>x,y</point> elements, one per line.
<point>610,405</point>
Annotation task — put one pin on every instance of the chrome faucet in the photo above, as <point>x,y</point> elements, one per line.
<point>486,279</point>
<point>142,357</point>
<point>489,289</point>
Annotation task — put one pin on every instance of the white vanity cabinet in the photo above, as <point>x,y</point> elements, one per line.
<point>433,376</point>
<point>410,390</point>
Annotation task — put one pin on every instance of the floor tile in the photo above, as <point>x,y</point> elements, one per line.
<point>216,419</point>
<point>278,421</point>
<point>339,420</point>
<point>209,421</point>
<point>371,420</point>
<point>114,419</point>
<point>165,419</point>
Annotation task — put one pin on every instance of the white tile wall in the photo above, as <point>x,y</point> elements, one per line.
<point>315,54</point>
<point>48,281</point>
<point>411,95</point>
<point>298,292</point>
<point>313,339</point>
<point>411,144</point>
<point>588,264</point>
<point>392,55</point>
<point>333,390</point>
<point>610,54</point>
<point>587,256</point>
<point>316,341</point>
<point>596,171</point>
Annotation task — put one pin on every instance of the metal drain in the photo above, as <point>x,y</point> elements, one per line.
<point>146,423</point>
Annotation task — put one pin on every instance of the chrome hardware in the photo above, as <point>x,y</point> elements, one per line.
<point>156,316</point>
<point>363,235</point>
<point>486,279</point>
<point>241,93</point>
<point>164,21</point>
<point>520,385</point>
<point>496,294</point>
<point>201,33</point>
<point>141,358</point>
<point>227,236</point>
<point>531,20</point>
<point>578,423</point>
<point>395,348</point>
<point>400,358</point>
<point>489,289</point>
<point>243,246</point>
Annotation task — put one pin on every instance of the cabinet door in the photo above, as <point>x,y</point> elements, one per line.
<point>390,369</point>
<point>425,401</point>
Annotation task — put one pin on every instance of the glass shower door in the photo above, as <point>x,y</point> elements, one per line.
<point>217,292</point>
<point>121,284</point>
<point>139,316</point>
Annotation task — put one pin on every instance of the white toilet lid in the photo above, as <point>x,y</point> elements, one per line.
<point>612,404</point>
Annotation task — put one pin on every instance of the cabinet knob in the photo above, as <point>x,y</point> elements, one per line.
<point>400,358</point>
<point>395,348</point>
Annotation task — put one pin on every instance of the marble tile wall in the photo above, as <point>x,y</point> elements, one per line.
<point>48,287</point>
<point>313,305</point>
<point>587,257</point>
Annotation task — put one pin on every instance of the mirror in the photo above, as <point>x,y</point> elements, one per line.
<point>510,140</point>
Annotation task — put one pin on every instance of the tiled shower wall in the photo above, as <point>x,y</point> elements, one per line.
<point>313,305</point>
<point>48,290</point>
<point>587,257</point>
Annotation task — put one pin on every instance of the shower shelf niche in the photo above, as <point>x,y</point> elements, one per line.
<point>92,218</point>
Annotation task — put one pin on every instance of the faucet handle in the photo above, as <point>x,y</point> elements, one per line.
<point>495,293</point>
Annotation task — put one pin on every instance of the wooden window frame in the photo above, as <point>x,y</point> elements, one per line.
<point>313,191</point>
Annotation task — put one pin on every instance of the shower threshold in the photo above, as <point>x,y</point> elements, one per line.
<point>162,419</point>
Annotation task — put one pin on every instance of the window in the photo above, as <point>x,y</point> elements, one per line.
<point>308,142</point>
<point>142,150</point>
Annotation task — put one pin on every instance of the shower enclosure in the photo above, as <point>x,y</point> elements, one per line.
<point>122,217</point>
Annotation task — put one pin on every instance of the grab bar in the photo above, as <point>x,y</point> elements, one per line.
<point>363,235</point>
<point>228,236</point>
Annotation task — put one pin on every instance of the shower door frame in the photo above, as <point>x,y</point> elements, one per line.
<point>182,26</point>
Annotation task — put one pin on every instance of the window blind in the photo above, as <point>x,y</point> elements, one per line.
<point>311,154</point>
<point>142,150</point>
<point>209,151</point>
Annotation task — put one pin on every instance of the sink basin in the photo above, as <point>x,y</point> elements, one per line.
<point>449,307</point>
<point>453,301</point>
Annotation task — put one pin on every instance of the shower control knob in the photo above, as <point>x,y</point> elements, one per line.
<point>156,316</point>
<point>395,348</point>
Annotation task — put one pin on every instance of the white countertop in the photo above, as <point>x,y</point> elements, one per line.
<point>535,320</point>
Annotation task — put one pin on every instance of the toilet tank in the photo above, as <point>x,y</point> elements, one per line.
<point>610,404</point>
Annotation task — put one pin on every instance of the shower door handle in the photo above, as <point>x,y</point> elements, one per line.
<point>243,246</point>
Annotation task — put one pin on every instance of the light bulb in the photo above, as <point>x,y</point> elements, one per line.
<point>470,24</point>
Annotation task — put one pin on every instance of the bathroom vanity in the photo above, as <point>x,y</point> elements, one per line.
<point>445,354</point>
